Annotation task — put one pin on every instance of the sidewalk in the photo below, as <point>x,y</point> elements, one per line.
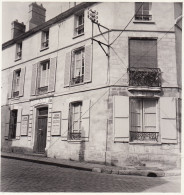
<point>130,170</point>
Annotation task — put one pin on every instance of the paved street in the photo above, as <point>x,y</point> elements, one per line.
<point>21,176</point>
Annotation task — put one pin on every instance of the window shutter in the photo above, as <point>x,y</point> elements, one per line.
<point>10,84</point>
<point>64,129</point>
<point>85,120</point>
<point>121,119</point>
<point>7,125</point>
<point>67,69</point>
<point>52,76</point>
<point>34,79</point>
<point>22,79</point>
<point>87,66</point>
<point>168,120</point>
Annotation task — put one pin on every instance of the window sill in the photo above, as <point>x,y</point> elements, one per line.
<point>75,141</point>
<point>146,142</point>
<point>17,59</point>
<point>139,88</point>
<point>43,49</point>
<point>76,36</point>
<point>143,22</point>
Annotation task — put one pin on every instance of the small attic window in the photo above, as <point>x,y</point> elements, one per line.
<point>45,39</point>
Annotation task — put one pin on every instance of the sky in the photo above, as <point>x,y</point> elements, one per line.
<point>19,10</point>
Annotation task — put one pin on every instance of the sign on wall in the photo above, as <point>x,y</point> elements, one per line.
<point>56,123</point>
<point>24,124</point>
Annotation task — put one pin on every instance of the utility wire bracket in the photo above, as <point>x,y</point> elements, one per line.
<point>101,43</point>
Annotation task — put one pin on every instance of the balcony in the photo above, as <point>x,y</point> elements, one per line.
<point>144,136</point>
<point>74,135</point>
<point>143,17</point>
<point>144,77</point>
<point>77,80</point>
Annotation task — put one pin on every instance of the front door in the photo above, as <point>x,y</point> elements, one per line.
<point>41,130</point>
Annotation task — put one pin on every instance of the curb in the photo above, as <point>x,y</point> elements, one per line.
<point>47,163</point>
<point>135,172</point>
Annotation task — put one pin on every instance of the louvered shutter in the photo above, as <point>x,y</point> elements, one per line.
<point>168,120</point>
<point>87,65</point>
<point>85,120</point>
<point>34,79</point>
<point>10,84</point>
<point>121,118</point>
<point>22,79</point>
<point>67,69</point>
<point>19,114</point>
<point>7,125</point>
<point>64,129</point>
<point>143,53</point>
<point>52,77</point>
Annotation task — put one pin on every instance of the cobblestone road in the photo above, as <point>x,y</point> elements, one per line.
<point>21,176</point>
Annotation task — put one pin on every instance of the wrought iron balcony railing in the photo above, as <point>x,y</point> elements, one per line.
<point>149,77</point>
<point>77,80</point>
<point>75,136</point>
<point>143,136</point>
<point>143,17</point>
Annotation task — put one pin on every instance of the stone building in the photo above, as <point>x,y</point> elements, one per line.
<point>113,100</point>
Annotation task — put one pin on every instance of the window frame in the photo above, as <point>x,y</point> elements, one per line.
<point>16,92</point>
<point>43,89</point>
<point>77,26</point>
<point>157,127</point>
<point>18,54</point>
<point>45,39</point>
<point>74,79</point>
<point>142,16</point>
<point>13,125</point>
<point>72,121</point>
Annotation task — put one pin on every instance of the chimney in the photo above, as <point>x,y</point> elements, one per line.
<point>36,15</point>
<point>17,29</point>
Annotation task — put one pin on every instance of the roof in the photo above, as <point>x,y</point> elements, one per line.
<point>54,20</point>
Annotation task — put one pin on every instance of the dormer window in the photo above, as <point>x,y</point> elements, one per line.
<point>79,24</point>
<point>45,39</point>
<point>18,55</point>
<point>142,11</point>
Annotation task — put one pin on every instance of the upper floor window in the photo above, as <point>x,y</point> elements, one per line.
<point>79,24</point>
<point>18,54</point>
<point>143,69</point>
<point>44,70</point>
<point>16,83</point>
<point>45,39</point>
<point>142,10</point>
<point>43,77</point>
<point>78,66</point>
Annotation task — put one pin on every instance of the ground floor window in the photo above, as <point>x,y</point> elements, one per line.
<point>143,121</point>
<point>75,121</point>
<point>13,124</point>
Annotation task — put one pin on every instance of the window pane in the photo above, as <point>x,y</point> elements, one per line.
<point>137,7</point>
<point>150,106</point>
<point>150,119</point>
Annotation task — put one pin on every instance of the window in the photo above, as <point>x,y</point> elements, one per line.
<point>78,66</point>
<point>44,77</point>
<point>143,69</point>
<point>79,27</point>
<point>75,120</point>
<point>142,11</point>
<point>45,39</point>
<point>18,51</point>
<point>13,124</point>
<point>143,120</point>
<point>16,83</point>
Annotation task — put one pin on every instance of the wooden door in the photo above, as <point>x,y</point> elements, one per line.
<point>41,134</point>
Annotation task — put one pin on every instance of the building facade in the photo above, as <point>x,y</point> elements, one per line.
<point>114,100</point>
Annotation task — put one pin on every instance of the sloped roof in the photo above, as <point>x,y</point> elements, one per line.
<point>54,20</point>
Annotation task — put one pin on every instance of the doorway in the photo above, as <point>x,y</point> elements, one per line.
<point>41,129</point>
